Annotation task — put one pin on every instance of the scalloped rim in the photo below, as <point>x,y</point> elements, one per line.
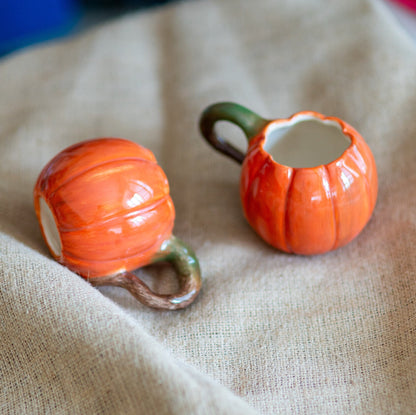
<point>268,141</point>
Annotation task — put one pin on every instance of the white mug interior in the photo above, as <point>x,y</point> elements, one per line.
<point>305,141</point>
<point>50,230</point>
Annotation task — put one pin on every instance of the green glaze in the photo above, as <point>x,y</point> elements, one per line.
<point>247,120</point>
<point>186,266</point>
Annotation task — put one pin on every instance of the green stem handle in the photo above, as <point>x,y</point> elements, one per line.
<point>247,120</point>
<point>186,265</point>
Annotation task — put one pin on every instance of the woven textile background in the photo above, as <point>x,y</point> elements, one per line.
<point>270,333</point>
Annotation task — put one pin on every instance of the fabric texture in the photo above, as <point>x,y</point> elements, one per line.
<point>270,333</point>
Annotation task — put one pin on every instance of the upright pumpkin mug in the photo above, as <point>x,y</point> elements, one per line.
<point>308,182</point>
<point>104,210</point>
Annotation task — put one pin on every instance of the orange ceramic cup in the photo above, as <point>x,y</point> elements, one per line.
<point>104,210</point>
<point>308,182</point>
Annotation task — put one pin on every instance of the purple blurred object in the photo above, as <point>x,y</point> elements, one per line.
<point>411,4</point>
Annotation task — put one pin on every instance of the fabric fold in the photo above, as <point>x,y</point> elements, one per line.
<point>67,348</point>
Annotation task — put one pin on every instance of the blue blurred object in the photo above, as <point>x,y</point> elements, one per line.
<point>123,3</point>
<point>23,22</point>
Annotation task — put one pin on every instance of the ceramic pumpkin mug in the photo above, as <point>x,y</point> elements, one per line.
<point>104,210</point>
<point>308,182</point>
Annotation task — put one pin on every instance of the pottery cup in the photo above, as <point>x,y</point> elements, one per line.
<point>308,182</point>
<point>104,210</point>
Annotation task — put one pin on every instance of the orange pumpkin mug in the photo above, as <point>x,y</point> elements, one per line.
<point>104,210</point>
<point>308,182</point>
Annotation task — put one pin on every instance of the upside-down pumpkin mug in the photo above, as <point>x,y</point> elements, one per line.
<point>308,182</point>
<point>104,210</point>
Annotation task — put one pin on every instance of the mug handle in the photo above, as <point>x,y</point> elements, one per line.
<point>247,120</point>
<point>184,262</point>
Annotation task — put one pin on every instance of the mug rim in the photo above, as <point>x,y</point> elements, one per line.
<point>345,128</point>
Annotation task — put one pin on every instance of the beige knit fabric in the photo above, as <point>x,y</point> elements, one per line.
<point>270,333</point>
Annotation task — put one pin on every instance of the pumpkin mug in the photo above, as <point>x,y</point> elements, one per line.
<point>308,182</point>
<point>104,210</point>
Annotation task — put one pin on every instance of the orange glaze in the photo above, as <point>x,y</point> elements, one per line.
<point>111,205</point>
<point>309,210</point>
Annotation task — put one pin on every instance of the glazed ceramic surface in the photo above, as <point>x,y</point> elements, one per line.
<point>104,209</point>
<point>308,182</point>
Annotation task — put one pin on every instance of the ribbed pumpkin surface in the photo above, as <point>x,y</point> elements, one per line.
<point>111,204</point>
<point>309,210</point>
